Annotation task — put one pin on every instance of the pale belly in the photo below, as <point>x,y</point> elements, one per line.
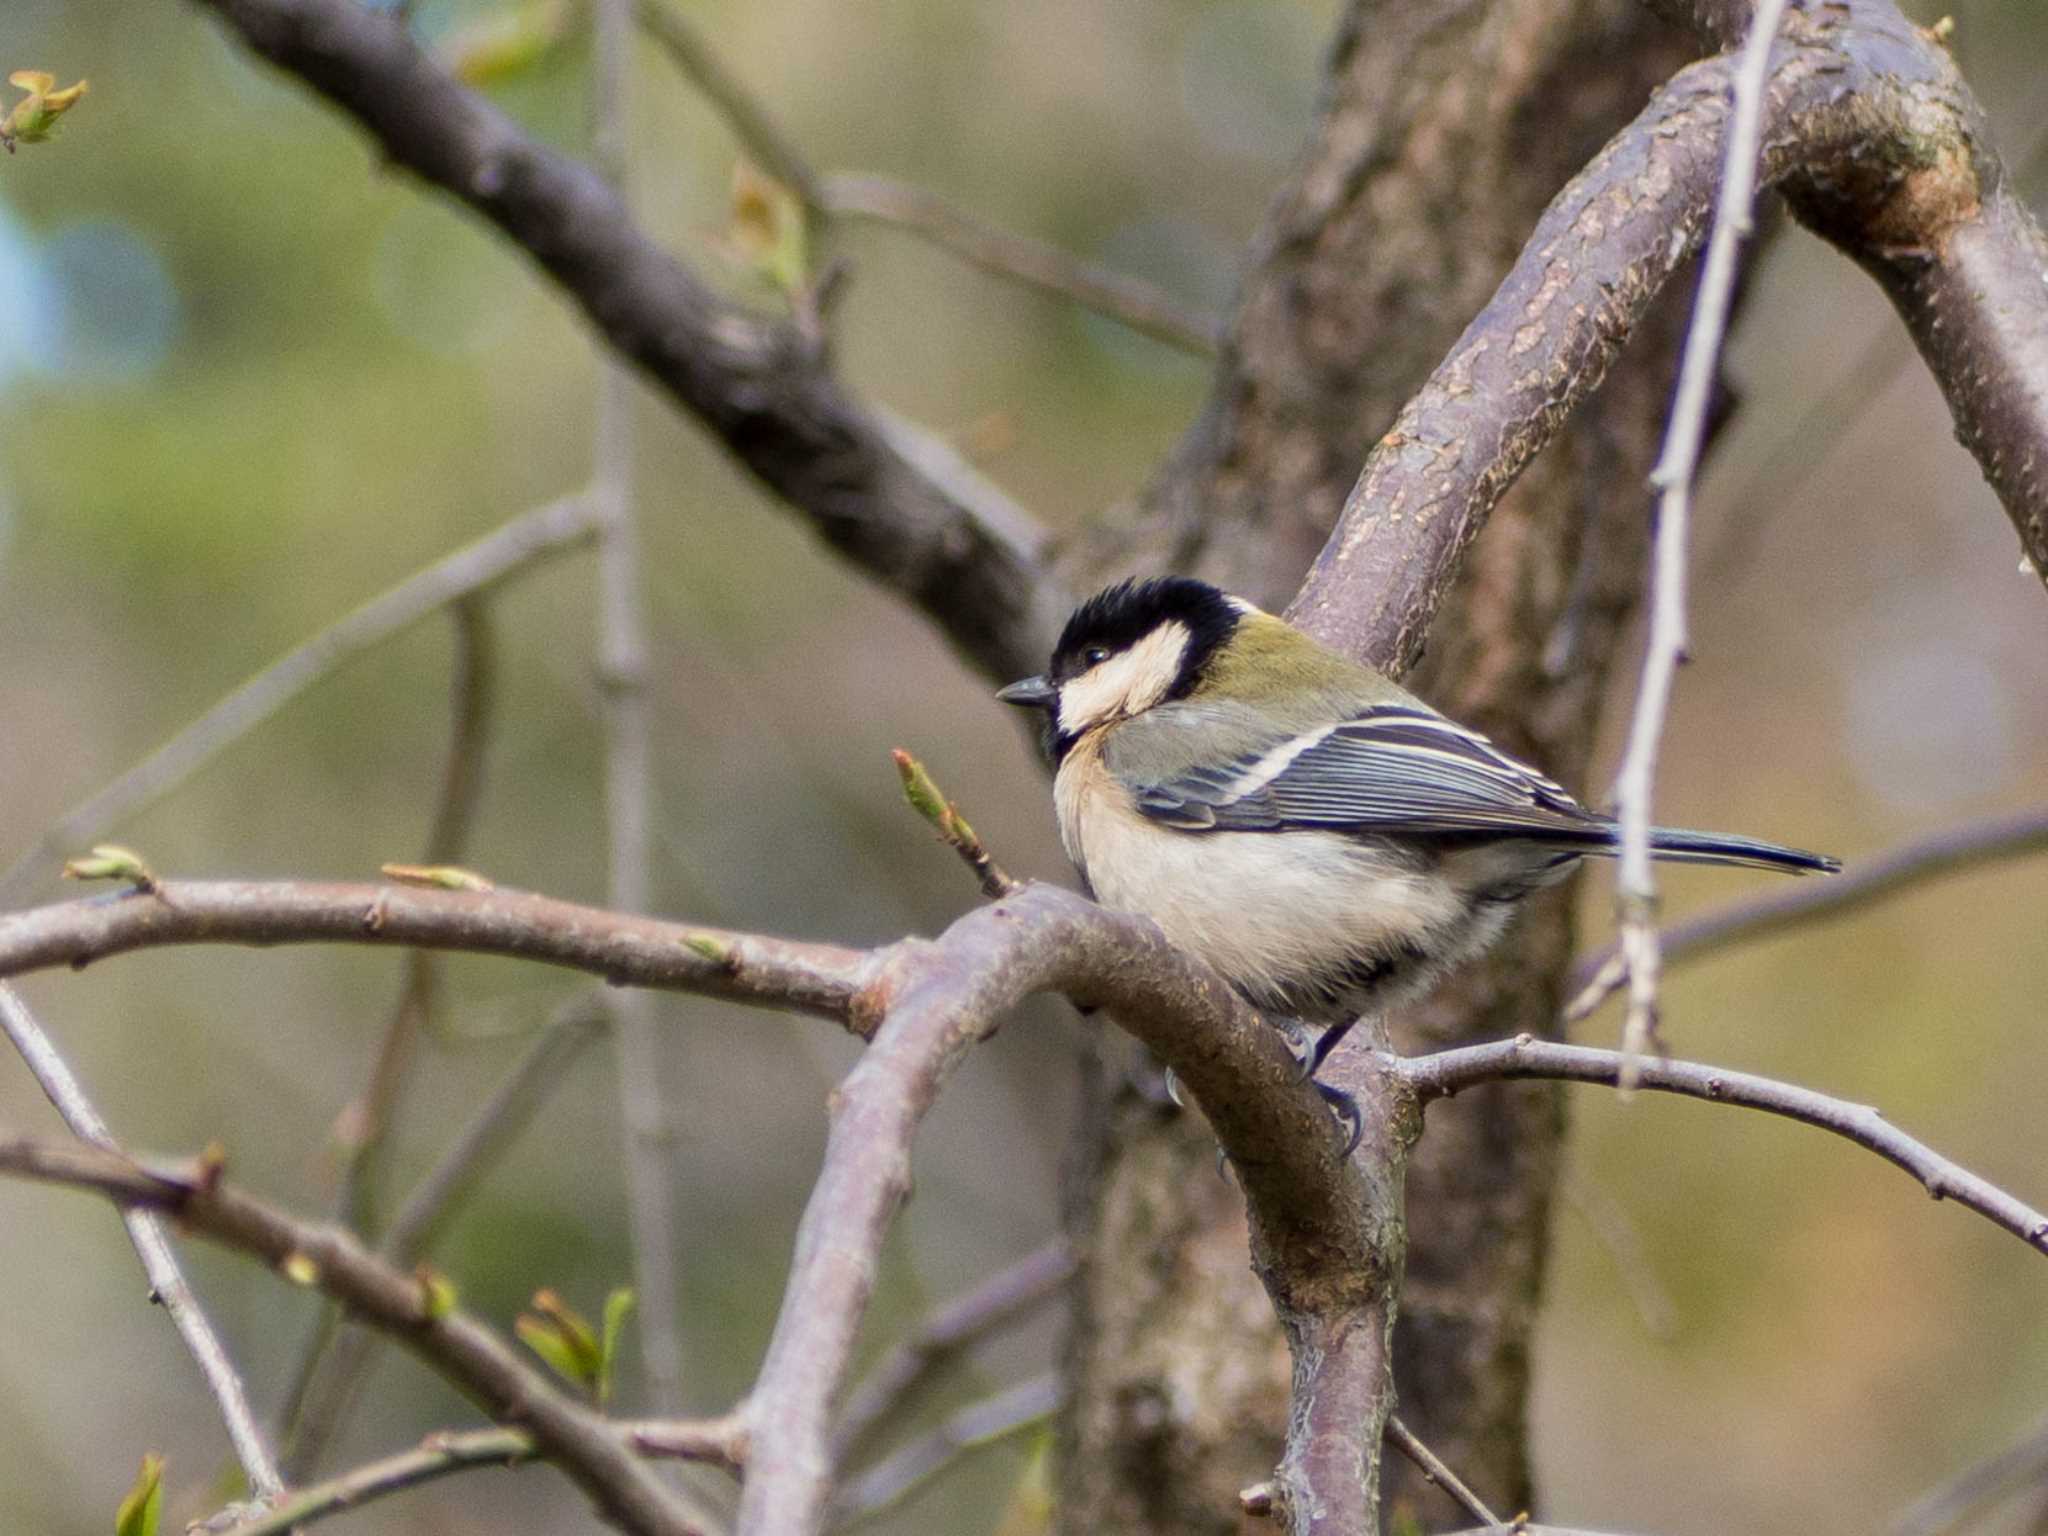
<point>1317,924</point>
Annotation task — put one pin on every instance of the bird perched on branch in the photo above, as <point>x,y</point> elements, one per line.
<point>1319,835</point>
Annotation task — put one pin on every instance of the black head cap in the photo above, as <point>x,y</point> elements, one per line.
<point>1118,617</point>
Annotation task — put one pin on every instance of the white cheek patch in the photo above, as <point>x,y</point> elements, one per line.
<point>1129,683</point>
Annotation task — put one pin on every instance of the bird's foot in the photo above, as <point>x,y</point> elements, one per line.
<point>1348,1114</point>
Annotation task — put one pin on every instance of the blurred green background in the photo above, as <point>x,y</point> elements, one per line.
<point>248,379</point>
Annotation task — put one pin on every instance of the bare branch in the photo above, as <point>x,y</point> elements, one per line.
<point>1635,885</point>
<point>1313,1232</point>
<point>532,536</point>
<point>750,121</point>
<point>364,1122</point>
<point>629,765</point>
<point>167,1283</point>
<point>1144,307</point>
<point>330,1371</point>
<point>1923,204</point>
<point>1615,1233</point>
<point>819,979</point>
<point>497,1122</point>
<point>1432,1467</point>
<point>1448,1072</point>
<point>930,802</point>
<point>756,382</point>
<point>1953,850</point>
<point>1859,105</point>
<point>717,1442</point>
<point>599,1455</point>
<point>1946,1507</point>
<point>1005,1297</point>
<point>890,1481</point>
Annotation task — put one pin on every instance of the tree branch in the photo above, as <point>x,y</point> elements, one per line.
<point>168,1286</point>
<point>893,1479</point>
<point>1953,850</point>
<point>756,383</point>
<point>1448,1072</point>
<point>532,536</point>
<point>715,1442</point>
<point>600,1456</point>
<point>1923,204</point>
<point>1858,102</point>
<point>1005,1297</point>
<point>818,979</point>
<point>1635,885</point>
<point>330,1371</point>
<point>1144,307</point>
<point>1319,1226</point>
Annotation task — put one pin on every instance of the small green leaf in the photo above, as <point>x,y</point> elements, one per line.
<point>768,231</point>
<point>110,861</point>
<point>144,1506</point>
<point>438,877</point>
<point>300,1269</point>
<point>508,44</point>
<point>34,118</point>
<point>437,1292</point>
<point>562,1337</point>
<point>617,1308</point>
<point>709,946</point>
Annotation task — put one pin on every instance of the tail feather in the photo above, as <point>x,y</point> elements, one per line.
<point>1685,847</point>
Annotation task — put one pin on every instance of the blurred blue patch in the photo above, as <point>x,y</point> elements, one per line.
<point>28,305</point>
<point>110,313</point>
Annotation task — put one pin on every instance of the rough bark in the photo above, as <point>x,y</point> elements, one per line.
<point>1446,128</point>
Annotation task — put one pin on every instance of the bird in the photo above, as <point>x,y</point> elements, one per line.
<point>1319,835</point>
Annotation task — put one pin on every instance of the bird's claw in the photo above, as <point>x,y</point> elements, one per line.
<point>1348,1114</point>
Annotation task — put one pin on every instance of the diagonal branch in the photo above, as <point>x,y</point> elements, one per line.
<point>599,1455</point>
<point>1860,104</point>
<point>755,383</point>
<point>167,1283</point>
<point>1011,1293</point>
<point>1865,883</point>
<point>1447,1072</point>
<point>511,547</point>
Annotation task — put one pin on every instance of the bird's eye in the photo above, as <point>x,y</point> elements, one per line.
<point>1095,655</point>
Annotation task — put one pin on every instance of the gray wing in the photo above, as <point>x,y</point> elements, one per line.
<point>1393,768</point>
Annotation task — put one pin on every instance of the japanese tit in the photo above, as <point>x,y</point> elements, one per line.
<point>1322,837</point>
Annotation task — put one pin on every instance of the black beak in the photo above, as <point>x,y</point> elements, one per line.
<point>1030,693</point>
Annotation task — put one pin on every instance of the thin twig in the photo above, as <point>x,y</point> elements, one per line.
<point>1447,1072</point>
<point>1007,1296</point>
<point>167,1283</point>
<point>510,548</point>
<point>892,1480</point>
<point>1142,306</point>
<point>1935,856</point>
<point>930,802</point>
<point>1636,881</point>
<point>497,1122</point>
<point>1409,1444</point>
<point>629,765</point>
<point>366,1121</point>
<point>716,1442</point>
<point>750,121</point>
<point>1616,1234</point>
<point>1944,1508</point>
<point>331,1370</point>
<point>1145,307</point>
